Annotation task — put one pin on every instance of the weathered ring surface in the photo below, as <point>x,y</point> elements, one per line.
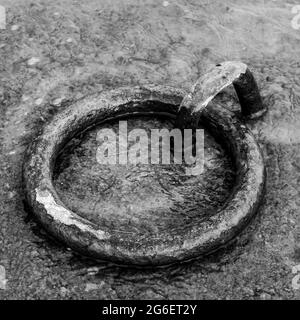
<point>87,238</point>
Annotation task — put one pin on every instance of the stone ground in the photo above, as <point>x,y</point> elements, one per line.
<point>53,53</point>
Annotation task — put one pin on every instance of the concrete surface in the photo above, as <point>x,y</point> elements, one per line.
<point>54,52</point>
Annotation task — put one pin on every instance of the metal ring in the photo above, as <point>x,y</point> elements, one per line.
<point>89,239</point>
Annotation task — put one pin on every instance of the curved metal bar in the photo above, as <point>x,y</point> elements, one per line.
<point>212,83</point>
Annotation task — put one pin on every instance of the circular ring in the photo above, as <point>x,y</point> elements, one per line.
<point>87,238</point>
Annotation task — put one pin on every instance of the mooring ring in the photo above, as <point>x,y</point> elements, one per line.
<point>87,238</point>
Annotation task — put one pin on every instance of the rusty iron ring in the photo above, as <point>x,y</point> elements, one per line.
<point>87,238</point>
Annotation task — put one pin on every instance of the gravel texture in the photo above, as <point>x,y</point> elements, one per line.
<point>52,53</point>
